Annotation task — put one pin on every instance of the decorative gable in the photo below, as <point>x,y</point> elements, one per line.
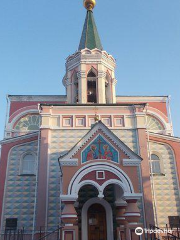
<point>100,149</point>
<point>99,142</point>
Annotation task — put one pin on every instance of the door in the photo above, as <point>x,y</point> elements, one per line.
<point>97,229</point>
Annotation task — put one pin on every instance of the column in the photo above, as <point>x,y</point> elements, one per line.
<point>70,220</point>
<point>82,84</point>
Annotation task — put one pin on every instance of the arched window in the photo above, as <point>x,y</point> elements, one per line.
<point>75,87</point>
<point>91,87</point>
<point>108,88</point>
<point>28,123</point>
<point>156,165</point>
<point>28,164</point>
<point>153,124</point>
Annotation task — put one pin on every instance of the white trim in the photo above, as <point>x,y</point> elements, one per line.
<point>109,217</point>
<point>100,172</point>
<point>70,163</point>
<point>68,198</point>
<point>124,181</point>
<point>167,137</point>
<point>68,231</point>
<point>20,138</point>
<point>34,98</point>
<point>133,196</point>
<point>154,114</point>
<point>10,125</point>
<point>69,216</point>
<point>131,162</point>
<point>132,214</point>
<point>142,99</point>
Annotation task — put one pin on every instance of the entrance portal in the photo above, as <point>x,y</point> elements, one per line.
<point>97,222</point>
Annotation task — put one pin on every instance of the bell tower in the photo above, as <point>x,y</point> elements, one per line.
<point>90,72</point>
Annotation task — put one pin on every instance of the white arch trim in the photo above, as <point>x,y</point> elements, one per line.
<point>20,115</point>
<point>100,188</point>
<point>76,183</point>
<point>109,217</point>
<point>158,117</point>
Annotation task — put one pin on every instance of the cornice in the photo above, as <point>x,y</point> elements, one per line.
<point>37,98</point>
<point>131,162</point>
<point>19,138</point>
<point>142,98</point>
<point>69,163</point>
<point>165,137</point>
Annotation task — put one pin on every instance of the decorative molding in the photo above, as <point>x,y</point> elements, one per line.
<point>132,196</point>
<point>100,126</point>
<point>67,82</point>
<point>142,99</point>
<point>23,137</point>
<point>37,98</point>
<point>17,117</point>
<point>131,162</point>
<point>69,215</point>
<point>68,198</point>
<point>98,173</point>
<point>114,81</point>
<point>69,163</point>
<point>124,181</point>
<point>132,214</point>
<point>166,137</point>
<point>101,74</point>
<point>81,74</point>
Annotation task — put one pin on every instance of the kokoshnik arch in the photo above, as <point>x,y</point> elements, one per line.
<point>99,163</point>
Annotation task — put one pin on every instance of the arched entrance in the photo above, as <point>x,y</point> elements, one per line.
<point>97,229</point>
<point>96,208</point>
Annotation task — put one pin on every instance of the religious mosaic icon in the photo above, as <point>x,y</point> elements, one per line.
<point>100,149</point>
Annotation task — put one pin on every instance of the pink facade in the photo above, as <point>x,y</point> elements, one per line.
<point>98,164</point>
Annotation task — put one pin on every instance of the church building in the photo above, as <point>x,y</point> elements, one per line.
<point>96,163</point>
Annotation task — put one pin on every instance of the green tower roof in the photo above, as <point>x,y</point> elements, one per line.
<point>90,38</point>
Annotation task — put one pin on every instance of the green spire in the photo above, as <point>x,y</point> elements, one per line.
<point>90,38</point>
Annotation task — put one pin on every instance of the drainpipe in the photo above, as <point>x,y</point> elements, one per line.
<point>7,114</point>
<point>140,173</point>
<point>36,187</point>
<point>169,113</point>
<point>151,175</point>
<point>60,182</point>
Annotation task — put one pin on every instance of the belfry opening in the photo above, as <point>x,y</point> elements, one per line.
<point>91,87</point>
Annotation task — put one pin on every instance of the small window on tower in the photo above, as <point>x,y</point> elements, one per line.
<point>91,87</point>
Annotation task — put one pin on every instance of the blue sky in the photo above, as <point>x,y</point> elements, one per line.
<point>36,36</point>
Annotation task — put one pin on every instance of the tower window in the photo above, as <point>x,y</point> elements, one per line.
<point>91,87</point>
<point>156,166</point>
<point>28,164</point>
